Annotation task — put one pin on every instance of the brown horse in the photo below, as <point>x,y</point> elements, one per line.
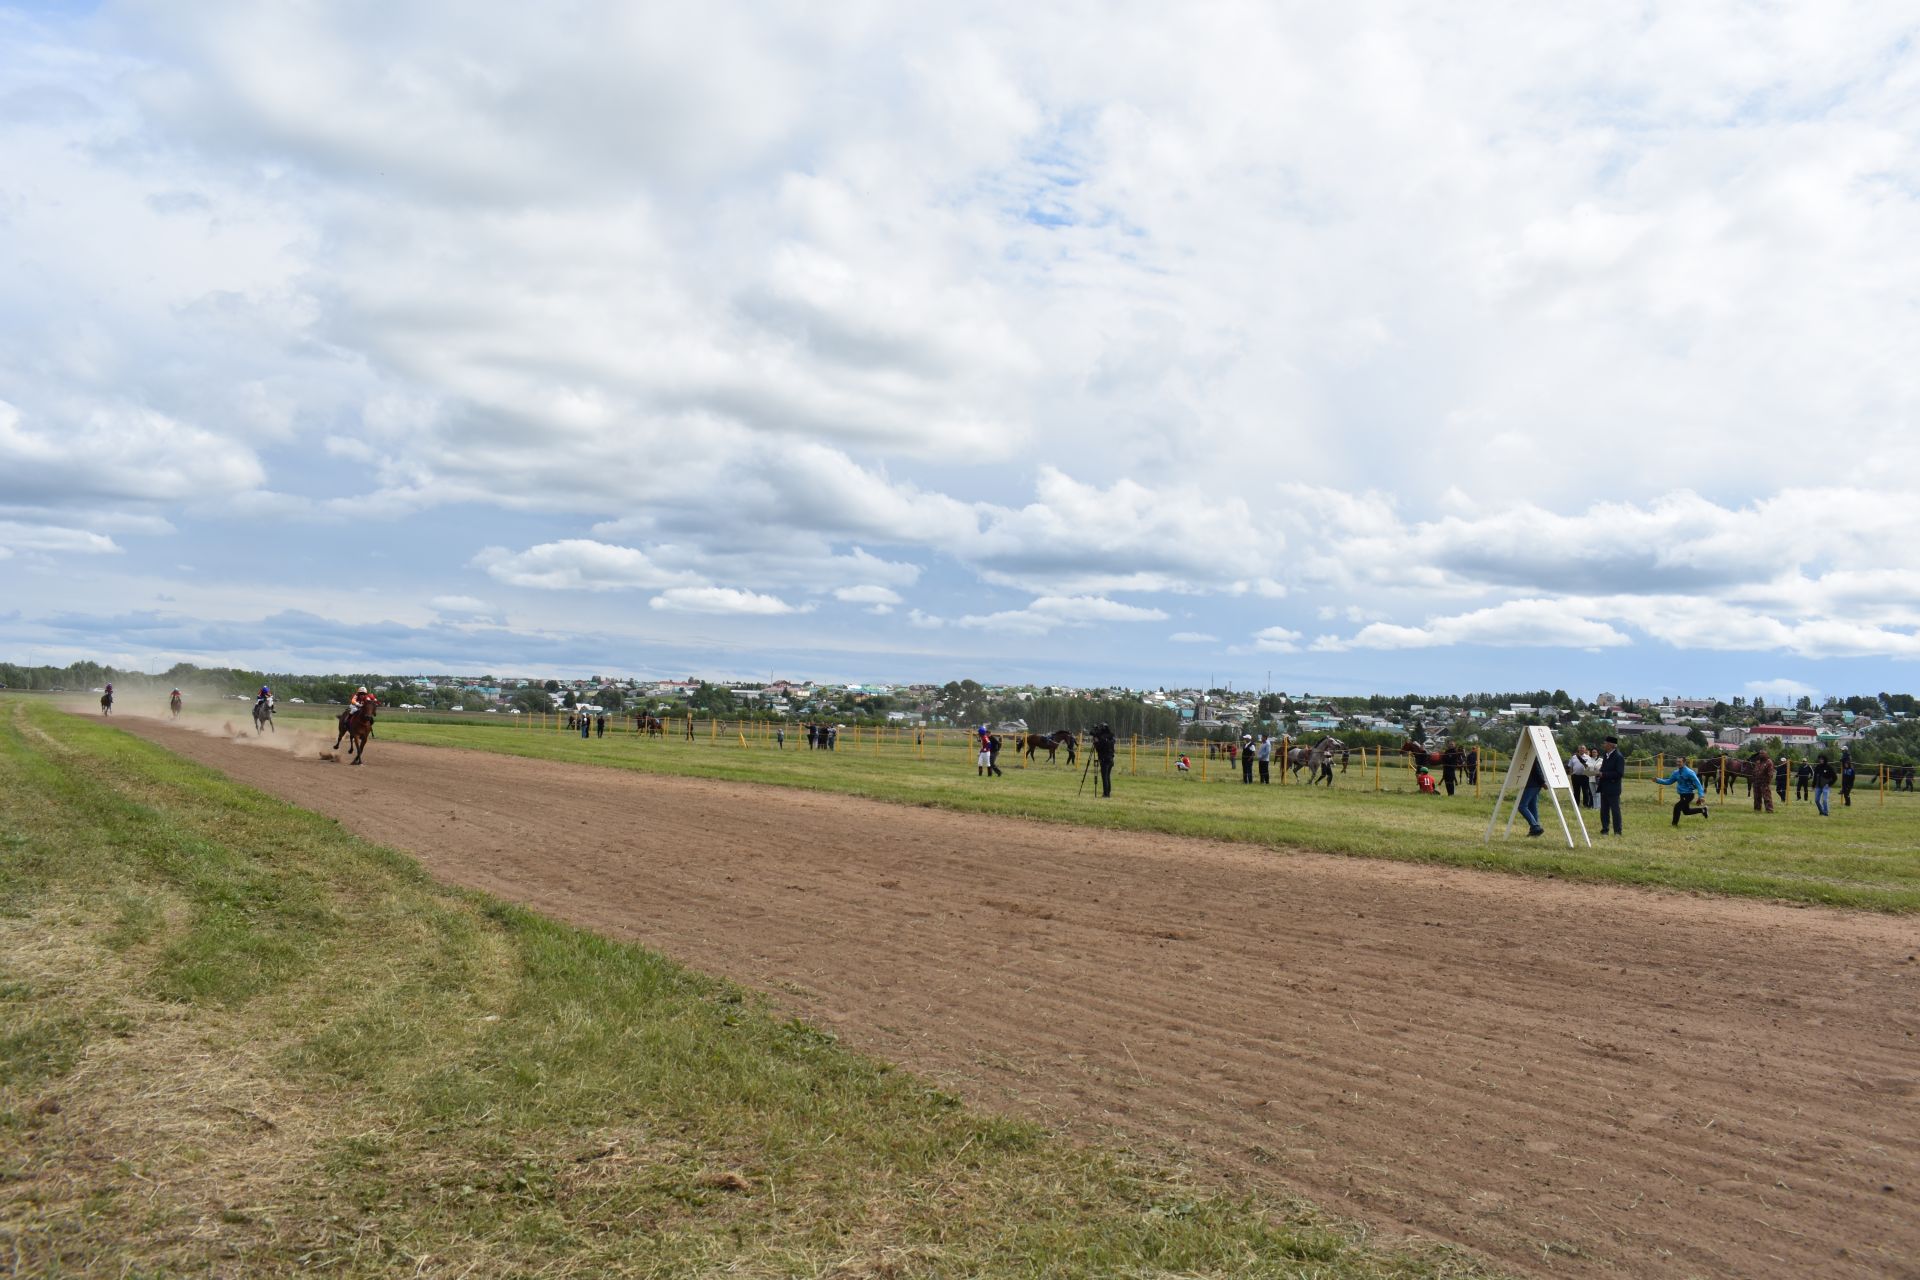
<point>1431,759</point>
<point>106,704</point>
<point>1050,743</point>
<point>173,706</point>
<point>356,726</point>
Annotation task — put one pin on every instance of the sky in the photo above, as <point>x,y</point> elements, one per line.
<point>1333,349</point>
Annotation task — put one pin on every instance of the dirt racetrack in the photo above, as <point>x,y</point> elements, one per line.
<point>1568,1079</point>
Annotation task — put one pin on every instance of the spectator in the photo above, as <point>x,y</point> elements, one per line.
<point>1613,777</point>
<point>1823,778</point>
<point>779,738</point>
<point>1802,781</point>
<point>586,726</point>
<point>1246,759</point>
<point>1266,759</point>
<point>1780,778</point>
<point>600,725</point>
<point>1103,750</point>
<point>1450,762</point>
<point>1577,777</point>
<point>1529,805</point>
<point>1846,776</point>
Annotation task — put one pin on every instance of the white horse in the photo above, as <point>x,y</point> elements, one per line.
<point>1316,759</point>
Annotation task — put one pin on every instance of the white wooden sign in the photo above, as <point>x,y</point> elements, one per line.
<point>1537,744</point>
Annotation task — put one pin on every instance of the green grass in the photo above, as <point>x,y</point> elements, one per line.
<point>1866,855</point>
<point>235,1040</point>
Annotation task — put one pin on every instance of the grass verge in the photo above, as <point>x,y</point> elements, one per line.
<point>236,1041</point>
<point>1866,855</point>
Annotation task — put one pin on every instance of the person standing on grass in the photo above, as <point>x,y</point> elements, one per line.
<point>1802,780</point>
<point>1823,778</point>
<point>993,755</point>
<point>1529,806</point>
<point>1762,781</point>
<point>1266,760</point>
<point>1613,777</point>
<point>985,759</point>
<point>1103,749</point>
<point>1450,761</point>
<point>1686,783</point>
<point>1246,759</point>
<point>586,726</point>
<point>1846,776</point>
<point>1577,776</point>
<point>779,738</point>
<point>600,725</point>
<point>1780,777</point>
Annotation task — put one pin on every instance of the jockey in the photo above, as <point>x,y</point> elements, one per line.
<point>109,689</point>
<point>361,698</point>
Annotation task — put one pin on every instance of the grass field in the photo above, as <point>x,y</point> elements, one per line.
<point>1866,855</point>
<point>237,1041</point>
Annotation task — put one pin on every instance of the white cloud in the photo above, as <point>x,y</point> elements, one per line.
<point>1193,637</point>
<point>1514,623</point>
<point>118,451</point>
<point>459,605</point>
<point>580,564</point>
<point>15,536</point>
<point>867,594</point>
<point>720,600</point>
<point>1276,640</point>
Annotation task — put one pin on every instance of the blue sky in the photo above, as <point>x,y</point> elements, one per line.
<point>1421,349</point>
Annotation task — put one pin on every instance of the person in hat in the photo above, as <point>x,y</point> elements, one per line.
<point>1612,778</point>
<point>1246,758</point>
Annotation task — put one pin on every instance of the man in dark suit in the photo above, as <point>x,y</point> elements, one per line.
<point>1613,776</point>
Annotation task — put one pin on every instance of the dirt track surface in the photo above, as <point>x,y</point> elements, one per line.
<point>1570,1080</point>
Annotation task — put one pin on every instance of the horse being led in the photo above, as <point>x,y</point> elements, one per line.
<point>1317,760</point>
<point>1051,744</point>
<point>263,715</point>
<point>356,726</point>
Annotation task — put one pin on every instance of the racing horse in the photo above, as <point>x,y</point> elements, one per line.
<point>173,706</point>
<point>263,715</point>
<point>1317,759</point>
<point>1051,744</point>
<point>106,703</point>
<point>356,726</point>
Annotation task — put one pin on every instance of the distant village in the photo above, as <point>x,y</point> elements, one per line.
<point>1200,714</point>
<point>1493,719</point>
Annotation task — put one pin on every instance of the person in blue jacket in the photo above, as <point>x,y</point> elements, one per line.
<point>1686,783</point>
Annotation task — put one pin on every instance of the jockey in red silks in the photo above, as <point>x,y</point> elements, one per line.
<point>361,698</point>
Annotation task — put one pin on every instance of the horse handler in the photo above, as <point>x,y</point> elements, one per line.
<point>1762,781</point>
<point>1687,784</point>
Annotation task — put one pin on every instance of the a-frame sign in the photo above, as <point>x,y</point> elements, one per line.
<point>1537,744</point>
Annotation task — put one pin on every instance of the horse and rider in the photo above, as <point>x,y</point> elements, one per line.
<point>173,704</point>
<point>356,722</point>
<point>263,710</point>
<point>106,701</point>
